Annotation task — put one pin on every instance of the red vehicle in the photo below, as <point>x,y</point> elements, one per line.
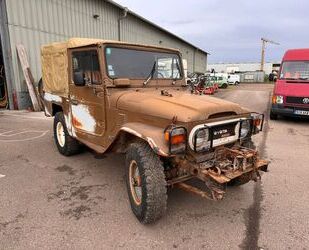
<point>291,92</point>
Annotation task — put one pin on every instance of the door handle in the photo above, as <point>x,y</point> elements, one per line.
<point>97,91</point>
<point>74,102</point>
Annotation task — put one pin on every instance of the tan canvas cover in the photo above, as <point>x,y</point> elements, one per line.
<point>55,63</point>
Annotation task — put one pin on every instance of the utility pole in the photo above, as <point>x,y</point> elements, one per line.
<point>264,41</point>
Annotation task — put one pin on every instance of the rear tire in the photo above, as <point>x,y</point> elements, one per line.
<point>66,144</point>
<point>146,183</point>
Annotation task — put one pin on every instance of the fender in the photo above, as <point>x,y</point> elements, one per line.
<point>154,136</point>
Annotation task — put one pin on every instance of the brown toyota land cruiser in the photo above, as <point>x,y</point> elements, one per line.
<point>133,99</point>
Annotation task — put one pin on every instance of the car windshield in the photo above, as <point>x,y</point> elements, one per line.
<point>139,64</point>
<point>297,70</point>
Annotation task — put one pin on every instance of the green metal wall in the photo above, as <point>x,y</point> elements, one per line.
<point>37,22</point>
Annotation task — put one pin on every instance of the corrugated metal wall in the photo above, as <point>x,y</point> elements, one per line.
<point>37,22</point>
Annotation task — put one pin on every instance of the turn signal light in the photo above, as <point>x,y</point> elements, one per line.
<point>274,99</point>
<point>277,99</point>
<point>176,137</point>
<point>257,122</point>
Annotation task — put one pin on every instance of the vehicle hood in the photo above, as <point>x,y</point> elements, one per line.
<point>292,88</point>
<point>186,106</point>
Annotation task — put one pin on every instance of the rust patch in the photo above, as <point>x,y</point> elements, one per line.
<point>76,122</point>
<point>229,163</point>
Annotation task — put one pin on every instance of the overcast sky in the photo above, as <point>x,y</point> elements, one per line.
<point>231,29</point>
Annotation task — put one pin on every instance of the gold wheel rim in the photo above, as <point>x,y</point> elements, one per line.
<point>135,182</point>
<point>60,134</point>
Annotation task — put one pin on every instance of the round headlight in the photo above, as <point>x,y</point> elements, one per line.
<point>245,128</point>
<point>202,139</point>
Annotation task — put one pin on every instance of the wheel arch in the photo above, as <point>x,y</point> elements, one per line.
<point>55,108</point>
<point>130,133</point>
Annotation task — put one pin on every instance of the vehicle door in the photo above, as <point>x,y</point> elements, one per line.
<point>87,99</point>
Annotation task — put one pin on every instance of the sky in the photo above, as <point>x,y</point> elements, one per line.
<point>231,30</point>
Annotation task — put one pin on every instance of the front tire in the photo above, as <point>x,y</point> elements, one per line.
<point>146,183</point>
<point>224,86</point>
<point>66,144</point>
<point>273,116</point>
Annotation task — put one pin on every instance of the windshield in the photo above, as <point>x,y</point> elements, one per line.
<point>139,64</point>
<point>297,70</point>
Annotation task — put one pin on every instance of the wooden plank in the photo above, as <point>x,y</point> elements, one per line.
<point>22,55</point>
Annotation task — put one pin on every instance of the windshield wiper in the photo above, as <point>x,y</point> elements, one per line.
<point>151,73</point>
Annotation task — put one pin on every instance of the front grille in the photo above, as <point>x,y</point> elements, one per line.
<point>222,131</point>
<point>297,100</point>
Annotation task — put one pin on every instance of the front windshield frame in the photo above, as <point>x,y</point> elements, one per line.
<point>283,77</point>
<point>146,49</point>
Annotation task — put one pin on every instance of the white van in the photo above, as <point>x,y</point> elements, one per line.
<point>233,79</point>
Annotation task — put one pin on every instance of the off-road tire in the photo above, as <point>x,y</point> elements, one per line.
<point>273,116</point>
<point>153,184</point>
<point>236,83</point>
<point>249,144</point>
<point>71,146</point>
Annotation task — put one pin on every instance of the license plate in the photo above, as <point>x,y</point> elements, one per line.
<point>301,112</point>
<point>223,131</point>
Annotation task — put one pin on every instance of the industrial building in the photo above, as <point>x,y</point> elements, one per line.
<point>37,22</point>
<point>243,67</point>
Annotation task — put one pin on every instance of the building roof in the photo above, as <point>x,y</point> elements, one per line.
<point>155,25</point>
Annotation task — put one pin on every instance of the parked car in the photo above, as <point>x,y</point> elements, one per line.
<point>233,79</point>
<point>220,79</point>
<point>291,91</point>
<point>119,97</point>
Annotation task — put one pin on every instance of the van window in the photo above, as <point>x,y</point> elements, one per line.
<point>295,70</point>
<point>87,63</point>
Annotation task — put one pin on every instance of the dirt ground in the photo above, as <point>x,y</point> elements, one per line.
<point>48,201</point>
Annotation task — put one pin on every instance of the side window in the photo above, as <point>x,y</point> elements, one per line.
<point>86,68</point>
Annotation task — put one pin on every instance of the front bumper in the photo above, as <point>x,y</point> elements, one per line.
<point>228,164</point>
<point>280,109</point>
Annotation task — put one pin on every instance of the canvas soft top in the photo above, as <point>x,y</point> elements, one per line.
<point>55,62</point>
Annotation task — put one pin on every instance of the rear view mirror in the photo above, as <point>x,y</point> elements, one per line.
<point>78,78</point>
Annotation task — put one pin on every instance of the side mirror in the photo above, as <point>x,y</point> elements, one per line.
<point>79,79</point>
<point>122,82</point>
